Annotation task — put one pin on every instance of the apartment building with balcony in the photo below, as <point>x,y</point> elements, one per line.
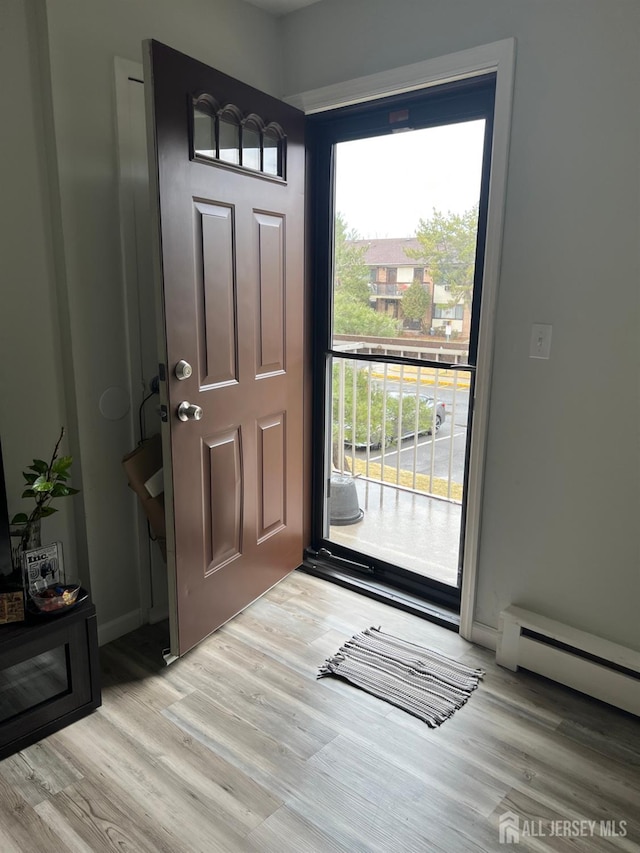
<point>392,271</point>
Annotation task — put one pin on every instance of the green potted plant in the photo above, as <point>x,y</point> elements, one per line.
<point>45,481</point>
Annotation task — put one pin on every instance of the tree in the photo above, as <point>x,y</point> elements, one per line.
<point>415,301</point>
<point>368,404</point>
<point>351,317</point>
<point>352,312</point>
<point>376,418</point>
<point>351,273</point>
<point>448,250</point>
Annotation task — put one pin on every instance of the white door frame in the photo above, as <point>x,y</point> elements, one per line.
<point>132,173</point>
<point>498,57</point>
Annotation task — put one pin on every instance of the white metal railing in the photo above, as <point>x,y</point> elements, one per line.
<point>381,288</point>
<point>383,418</point>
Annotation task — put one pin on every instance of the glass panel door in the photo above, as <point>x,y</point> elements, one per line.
<point>406,228</point>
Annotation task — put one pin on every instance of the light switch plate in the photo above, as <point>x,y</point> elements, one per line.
<point>540,341</point>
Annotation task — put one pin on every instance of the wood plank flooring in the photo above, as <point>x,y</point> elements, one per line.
<point>237,747</point>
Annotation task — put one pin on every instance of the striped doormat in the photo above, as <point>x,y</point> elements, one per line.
<point>420,681</point>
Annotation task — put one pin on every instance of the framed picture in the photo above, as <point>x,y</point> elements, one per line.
<point>11,607</point>
<point>43,567</point>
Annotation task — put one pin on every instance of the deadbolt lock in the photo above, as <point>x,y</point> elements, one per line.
<point>189,411</point>
<point>183,369</point>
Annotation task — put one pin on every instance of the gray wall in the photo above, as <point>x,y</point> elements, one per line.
<point>32,388</point>
<point>561,505</point>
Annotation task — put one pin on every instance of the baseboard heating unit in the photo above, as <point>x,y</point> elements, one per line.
<point>588,663</point>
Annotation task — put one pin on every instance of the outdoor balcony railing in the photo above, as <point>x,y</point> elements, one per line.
<point>401,426</point>
<point>387,289</point>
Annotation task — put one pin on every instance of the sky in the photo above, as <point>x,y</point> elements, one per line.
<point>386,184</point>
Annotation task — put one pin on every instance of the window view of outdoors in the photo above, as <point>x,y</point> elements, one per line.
<point>404,255</point>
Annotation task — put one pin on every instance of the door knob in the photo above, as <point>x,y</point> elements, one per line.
<point>189,411</point>
<point>183,369</point>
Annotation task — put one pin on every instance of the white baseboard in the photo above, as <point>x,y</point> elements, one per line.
<point>118,627</point>
<point>484,635</point>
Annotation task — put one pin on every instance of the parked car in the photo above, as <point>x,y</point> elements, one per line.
<point>370,435</point>
<point>425,414</point>
<point>425,423</point>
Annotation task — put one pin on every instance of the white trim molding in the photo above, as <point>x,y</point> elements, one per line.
<point>499,58</point>
<point>126,70</point>
<point>483,635</point>
<point>420,75</point>
<point>136,262</point>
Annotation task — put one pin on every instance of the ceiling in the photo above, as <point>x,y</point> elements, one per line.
<point>281,7</point>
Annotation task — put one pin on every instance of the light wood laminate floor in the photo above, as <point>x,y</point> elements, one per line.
<point>237,747</point>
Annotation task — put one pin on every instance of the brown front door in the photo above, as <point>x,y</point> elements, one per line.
<point>229,164</point>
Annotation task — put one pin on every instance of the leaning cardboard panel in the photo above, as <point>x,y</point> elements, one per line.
<point>142,467</point>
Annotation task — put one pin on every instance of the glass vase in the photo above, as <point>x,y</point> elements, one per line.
<point>23,540</point>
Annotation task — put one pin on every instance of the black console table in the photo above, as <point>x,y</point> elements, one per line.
<point>49,675</point>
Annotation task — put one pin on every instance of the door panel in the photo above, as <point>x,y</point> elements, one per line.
<point>216,288</point>
<point>233,307</point>
<point>223,487</point>
<point>271,465</point>
<point>271,344</point>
